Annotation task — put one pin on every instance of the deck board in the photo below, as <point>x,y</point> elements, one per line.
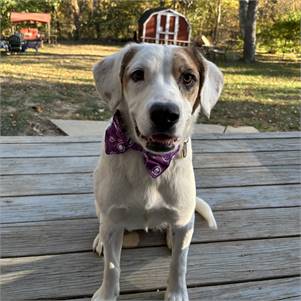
<point>54,237</point>
<point>252,182</point>
<point>59,206</point>
<point>147,268</point>
<point>207,136</point>
<point>271,290</point>
<point>93,148</point>
<point>11,166</point>
<point>17,185</point>
<point>267,290</point>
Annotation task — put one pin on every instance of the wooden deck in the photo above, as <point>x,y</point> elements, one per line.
<point>252,182</point>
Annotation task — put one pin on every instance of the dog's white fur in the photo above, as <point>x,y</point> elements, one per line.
<point>126,196</point>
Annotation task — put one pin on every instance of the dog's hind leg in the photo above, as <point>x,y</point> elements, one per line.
<point>97,243</point>
<point>205,211</point>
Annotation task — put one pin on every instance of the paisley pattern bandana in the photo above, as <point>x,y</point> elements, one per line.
<point>116,142</point>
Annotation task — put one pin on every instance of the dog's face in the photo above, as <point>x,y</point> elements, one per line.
<point>161,88</point>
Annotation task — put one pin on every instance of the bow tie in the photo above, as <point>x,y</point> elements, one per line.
<point>117,142</point>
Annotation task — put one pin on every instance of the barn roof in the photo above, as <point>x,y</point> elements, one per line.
<point>150,11</point>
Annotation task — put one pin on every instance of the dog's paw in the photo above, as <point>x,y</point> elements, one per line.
<point>177,296</point>
<point>97,245</point>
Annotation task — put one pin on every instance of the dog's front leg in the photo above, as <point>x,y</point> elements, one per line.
<point>180,239</point>
<point>112,242</point>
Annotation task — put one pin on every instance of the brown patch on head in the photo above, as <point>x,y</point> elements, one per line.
<point>187,60</point>
<point>125,62</point>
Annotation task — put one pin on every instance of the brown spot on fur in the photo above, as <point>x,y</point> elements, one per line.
<point>125,62</point>
<point>190,58</point>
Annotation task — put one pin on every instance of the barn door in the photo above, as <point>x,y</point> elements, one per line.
<point>167,28</point>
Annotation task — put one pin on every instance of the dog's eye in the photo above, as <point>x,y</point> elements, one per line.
<point>188,79</point>
<point>137,75</point>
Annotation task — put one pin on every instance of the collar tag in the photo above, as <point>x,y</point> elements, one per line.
<point>184,149</point>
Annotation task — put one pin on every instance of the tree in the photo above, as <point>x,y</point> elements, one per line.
<point>76,18</point>
<point>247,18</point>
<point>217,21</point>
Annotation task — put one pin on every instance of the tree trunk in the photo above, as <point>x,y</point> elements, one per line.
<point>96,17</point>
<point>217,21</point>
<point>243,8</point>
<point>247,14</point>
<point>76,18</point>
<point>162,3</point>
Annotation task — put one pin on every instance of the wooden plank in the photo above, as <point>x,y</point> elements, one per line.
<point>222,146</point>
<point>252,197</point>
<point>46,184</point>
<point>23,239</point>
<point>79,274</point>
<point>93,148</point>
<point>18,185</point>
<point>47,165</point>
<point>81,127</point>
<point>268,290</point>
<point>49,207</point>
<point>10,166</point>
<point>263,135</point>
<point>70,139</point>
<point>230,177</point>
<point>49,150</point>
<point>48,139</point>
<point>241,129</point>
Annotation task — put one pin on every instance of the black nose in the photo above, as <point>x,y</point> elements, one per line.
<point>164,115</point>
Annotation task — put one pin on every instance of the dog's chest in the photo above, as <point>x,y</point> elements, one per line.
<point>142,210</point>
<point>128,196</point>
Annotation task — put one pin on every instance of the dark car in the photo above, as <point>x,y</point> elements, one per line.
<point>16,43</point>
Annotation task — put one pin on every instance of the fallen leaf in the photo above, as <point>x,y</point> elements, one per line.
<point>38,108</point>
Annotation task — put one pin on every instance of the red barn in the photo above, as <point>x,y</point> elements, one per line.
<point>164,26</point>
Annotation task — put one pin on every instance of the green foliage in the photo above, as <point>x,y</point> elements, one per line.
<point>33,6</point>
<point>277,20</point>
<point>283,35</point>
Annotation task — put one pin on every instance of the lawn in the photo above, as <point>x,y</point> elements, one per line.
<point>57,83</point>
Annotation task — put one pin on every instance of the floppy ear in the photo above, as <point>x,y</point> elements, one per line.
<point>107,78</point>
<point>213,81</point>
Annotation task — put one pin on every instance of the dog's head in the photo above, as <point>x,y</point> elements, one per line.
<point>159,91</point>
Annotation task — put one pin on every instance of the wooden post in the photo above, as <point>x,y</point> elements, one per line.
<point>48,27</point>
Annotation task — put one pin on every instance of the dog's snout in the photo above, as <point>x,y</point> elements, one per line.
<point>164,116</point>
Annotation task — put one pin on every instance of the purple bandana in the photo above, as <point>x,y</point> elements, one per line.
<point>116,142</point>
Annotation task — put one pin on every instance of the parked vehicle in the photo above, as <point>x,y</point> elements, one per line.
<point>4,45</point>
<point>16,43</point>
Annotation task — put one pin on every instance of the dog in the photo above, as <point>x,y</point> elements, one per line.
<point>144,178</point>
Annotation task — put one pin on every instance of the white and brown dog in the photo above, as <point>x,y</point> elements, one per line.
<point>145,175</point>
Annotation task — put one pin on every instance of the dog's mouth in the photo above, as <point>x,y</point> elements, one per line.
<point>158,142</point>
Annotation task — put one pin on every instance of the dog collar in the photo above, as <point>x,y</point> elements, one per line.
<point>117,142</point>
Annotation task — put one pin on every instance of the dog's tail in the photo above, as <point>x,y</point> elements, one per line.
<point>205,211</point>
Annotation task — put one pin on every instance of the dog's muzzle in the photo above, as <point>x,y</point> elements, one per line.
<point>164,117</point>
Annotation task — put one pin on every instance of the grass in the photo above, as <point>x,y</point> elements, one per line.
<point>57,83</point>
